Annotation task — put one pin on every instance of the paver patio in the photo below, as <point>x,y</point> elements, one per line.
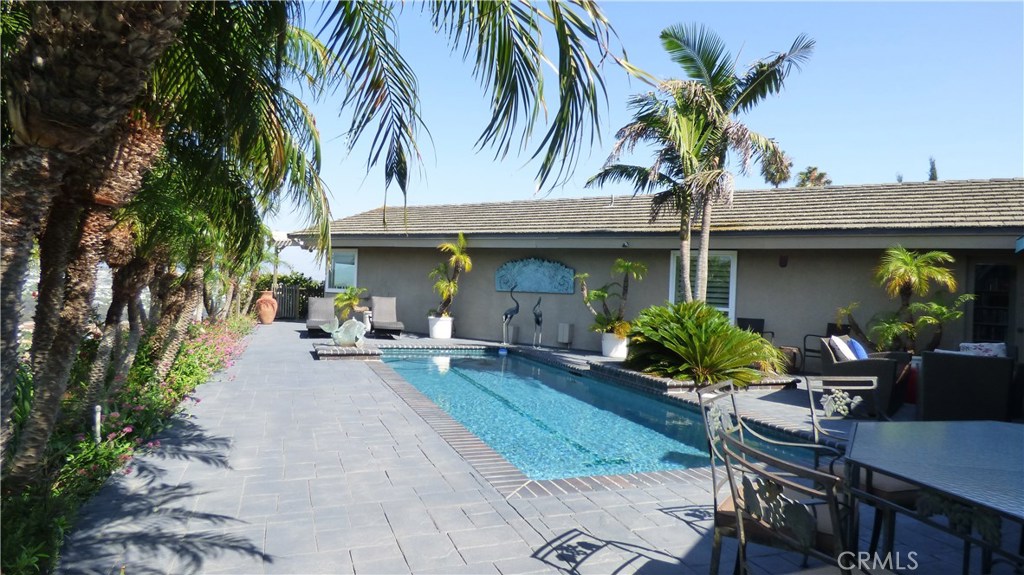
<point>292,465</point>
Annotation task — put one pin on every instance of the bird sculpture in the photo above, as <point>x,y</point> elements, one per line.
<point>538,321</point>
<point>506,318</point>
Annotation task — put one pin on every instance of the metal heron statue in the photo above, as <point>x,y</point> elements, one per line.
<point>506,318</point>
<point>538,321</point>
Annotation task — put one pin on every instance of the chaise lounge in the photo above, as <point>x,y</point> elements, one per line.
<point>320,311</point>
<point>384,317</point>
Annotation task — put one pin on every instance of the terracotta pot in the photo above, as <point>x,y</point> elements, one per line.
<point>266,307</point>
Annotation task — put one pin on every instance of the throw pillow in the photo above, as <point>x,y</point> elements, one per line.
<point>858,349</point>
<point>841,349</point>
<point>985,349</point>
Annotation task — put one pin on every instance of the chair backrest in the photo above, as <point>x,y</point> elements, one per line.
<point>384,308</point>
<point>718,410</point>
<point>320,310</point>
<point>795,505</point>
<point>755,325</point>
<point>836,329</point>
<point>833,398</point>
<point>956,386</point>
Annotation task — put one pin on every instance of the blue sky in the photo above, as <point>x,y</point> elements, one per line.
<point>889,85</point>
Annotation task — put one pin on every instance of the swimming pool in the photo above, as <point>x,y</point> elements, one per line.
<point>553,424</point>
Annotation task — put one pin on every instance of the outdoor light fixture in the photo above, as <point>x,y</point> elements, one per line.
<point>783,261</point>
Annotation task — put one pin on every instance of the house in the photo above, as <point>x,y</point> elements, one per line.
<point>791,256</point>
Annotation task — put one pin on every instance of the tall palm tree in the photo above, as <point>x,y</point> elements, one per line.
<point>504,38</point>
<point>687,128</point>
<point>58,102</point>
<point>702,55</point>
<point>266,144</point>
<point>812,178</point>
<point>777,171</point>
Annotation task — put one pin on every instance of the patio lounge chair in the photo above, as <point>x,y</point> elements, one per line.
<point>320,311</point>
<point>887,367</point>
<point>384,317</point>
<point>956,386</point>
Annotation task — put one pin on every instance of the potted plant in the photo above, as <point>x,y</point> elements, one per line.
<point>347,301</point>
<point>612,325</point>
<point>446,284</point>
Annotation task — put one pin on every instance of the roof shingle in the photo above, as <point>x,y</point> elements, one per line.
<point>964,204</point>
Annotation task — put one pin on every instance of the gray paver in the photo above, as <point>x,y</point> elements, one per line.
<point>290,465</point>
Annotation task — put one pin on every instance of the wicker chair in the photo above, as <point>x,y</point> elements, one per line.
<point>956,386</point>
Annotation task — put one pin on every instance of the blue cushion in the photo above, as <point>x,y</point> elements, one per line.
<point>858,349</point>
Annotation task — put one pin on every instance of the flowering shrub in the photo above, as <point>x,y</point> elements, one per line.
<point>33,522</point>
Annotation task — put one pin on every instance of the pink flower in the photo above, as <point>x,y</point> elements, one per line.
<point>128,429</point>
<point>80,437</point>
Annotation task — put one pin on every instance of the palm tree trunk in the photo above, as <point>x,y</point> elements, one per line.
<point>193,294</point>
<point>126,358</point>
<point>128,281</point>
<point>53,357</point>
<point>685,228</point>
<point>702,255</point>
<point>31,177</point>
<point>109,174</point>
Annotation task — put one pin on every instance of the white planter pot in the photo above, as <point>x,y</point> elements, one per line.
<point>613,346</point>
<point>440,327</point>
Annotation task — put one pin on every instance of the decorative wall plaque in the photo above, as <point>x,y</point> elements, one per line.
<point>535,275</point>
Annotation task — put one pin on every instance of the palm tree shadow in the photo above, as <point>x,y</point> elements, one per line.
<point>569,551</point>
<point>149,516</point>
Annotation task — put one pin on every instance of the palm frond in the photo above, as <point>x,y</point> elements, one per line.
<point>702,54</point>
<point>767,77</point>
<point>380,85</point>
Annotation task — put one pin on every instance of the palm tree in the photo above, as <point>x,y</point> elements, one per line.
<point>777,171</point>
<point>687,129</point>
<point>904,273</point>
<point>55,112</point>
<point>504,37</point>
<point>265,144</point>
<point>812,178</point>
<point>702,55</point>
<point>447,272</point>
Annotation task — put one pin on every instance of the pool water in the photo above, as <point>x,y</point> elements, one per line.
<point>553,424</point>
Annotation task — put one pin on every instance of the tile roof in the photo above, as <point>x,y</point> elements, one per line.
<point>953,205</point>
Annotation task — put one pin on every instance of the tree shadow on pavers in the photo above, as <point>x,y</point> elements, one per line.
<point>577,550</point>
<point>153,530</point>
<point>142,520</point>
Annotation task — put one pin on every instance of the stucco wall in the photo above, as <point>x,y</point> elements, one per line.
<point>477,308</point>
<point>794,300</point>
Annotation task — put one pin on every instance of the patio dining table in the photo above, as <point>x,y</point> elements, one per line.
<point>972,472</point>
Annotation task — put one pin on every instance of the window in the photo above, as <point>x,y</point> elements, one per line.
<point>342,272</point>
<point>721,280</point>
